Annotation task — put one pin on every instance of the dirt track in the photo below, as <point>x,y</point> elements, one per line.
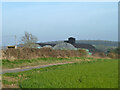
<point>29,68</point>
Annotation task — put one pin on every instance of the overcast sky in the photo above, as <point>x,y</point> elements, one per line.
<point>51,21</point>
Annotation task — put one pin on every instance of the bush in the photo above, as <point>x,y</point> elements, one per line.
<point>99,54</point>
<point>30,53</point>
<point>113,55</point>
<point>83,52</point>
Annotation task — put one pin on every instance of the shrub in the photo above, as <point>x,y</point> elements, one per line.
<point>113,55</point>
<point>30,53</point>
<point>99,54</point>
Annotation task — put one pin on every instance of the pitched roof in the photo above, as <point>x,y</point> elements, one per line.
<point>86,46</point>
<point>44,44</point>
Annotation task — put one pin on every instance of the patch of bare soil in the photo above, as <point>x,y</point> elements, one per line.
<point>11,79</point>
<point>14,83</point>
<point>10,86</point>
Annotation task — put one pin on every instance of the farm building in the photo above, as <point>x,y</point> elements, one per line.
<point>71,44</point>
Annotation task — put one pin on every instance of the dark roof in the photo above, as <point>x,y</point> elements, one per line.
<point>43,44</point>
<point>77,45</point>
<point>86,46</point>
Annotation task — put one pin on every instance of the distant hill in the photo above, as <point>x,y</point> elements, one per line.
<point>99,42</point>
<point>93,42</point>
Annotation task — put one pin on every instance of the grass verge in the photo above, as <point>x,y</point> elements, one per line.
<point>7,64</point>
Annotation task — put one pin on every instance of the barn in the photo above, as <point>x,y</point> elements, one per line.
<point>72,41</point>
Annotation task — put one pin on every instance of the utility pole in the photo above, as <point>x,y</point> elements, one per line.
<point>16,41</point>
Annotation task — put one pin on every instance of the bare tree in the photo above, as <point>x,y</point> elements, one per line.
<point>29,40</point>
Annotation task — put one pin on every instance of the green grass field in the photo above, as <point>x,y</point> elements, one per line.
<point>7,64</point>
<point>102,73</point>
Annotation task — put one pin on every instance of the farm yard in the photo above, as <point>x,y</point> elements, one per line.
<point>84,72</point>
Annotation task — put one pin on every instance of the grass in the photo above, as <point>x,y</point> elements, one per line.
<point>100,73</point>
<point>7,64</point>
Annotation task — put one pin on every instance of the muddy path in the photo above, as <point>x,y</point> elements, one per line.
<point>29,68</point>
